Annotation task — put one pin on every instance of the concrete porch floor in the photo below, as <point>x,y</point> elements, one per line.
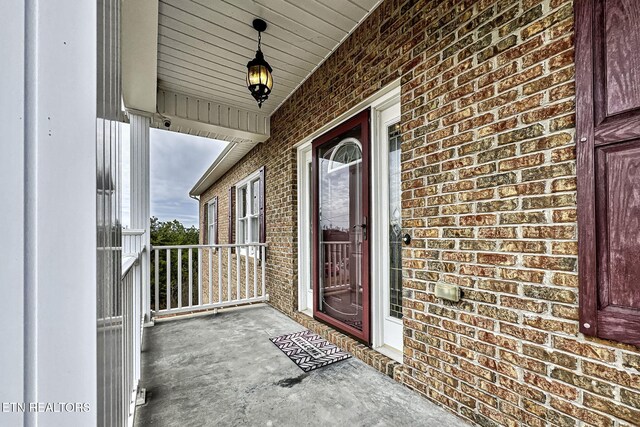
<point>222,370</point>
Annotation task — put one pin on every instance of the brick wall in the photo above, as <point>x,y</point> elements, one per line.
<point>245,278</point>
<point>281,264</point>
<point>488,196</point>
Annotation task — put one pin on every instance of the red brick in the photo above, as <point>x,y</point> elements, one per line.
<point>488,195</point>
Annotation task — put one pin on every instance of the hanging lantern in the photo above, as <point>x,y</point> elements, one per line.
<point>259,78</point>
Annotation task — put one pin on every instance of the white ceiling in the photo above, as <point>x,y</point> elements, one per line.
<point>204,45</point>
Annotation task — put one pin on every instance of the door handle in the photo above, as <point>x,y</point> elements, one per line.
<point>363,226</point>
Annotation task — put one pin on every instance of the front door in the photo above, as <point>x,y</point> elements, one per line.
<point>340,233</point>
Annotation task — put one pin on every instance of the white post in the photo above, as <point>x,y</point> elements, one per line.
<point>48,178</point>
<point>140,211</point>
<point>12,188</point>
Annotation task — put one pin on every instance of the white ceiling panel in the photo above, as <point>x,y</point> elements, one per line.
<point>204,45</point>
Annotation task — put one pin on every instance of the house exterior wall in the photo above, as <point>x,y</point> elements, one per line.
<point>281,264</point>
<point>489,197</point>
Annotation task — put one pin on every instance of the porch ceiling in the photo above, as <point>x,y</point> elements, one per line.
<point>204,46</point>
<point>184,63</point>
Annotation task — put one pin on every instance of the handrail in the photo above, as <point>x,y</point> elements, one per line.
<point>133,231</point>
<point>128,261</point>
<point>226,245</point>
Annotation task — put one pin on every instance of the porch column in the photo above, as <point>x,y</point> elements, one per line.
<point>140,208</point>
<point>48,209</point>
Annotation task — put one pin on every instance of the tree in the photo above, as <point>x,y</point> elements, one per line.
<point>172,233</point>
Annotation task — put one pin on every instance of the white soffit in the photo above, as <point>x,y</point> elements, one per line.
<point>204,45</point>
<point>197,116</point>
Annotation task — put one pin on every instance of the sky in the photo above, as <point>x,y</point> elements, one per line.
<point>177,162</point>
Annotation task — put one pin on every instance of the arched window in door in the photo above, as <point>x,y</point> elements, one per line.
<point>348,152</point>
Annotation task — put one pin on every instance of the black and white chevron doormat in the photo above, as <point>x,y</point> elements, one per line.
<point>308,350</point>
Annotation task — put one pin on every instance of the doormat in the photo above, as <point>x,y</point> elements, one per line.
<point>308,350</point>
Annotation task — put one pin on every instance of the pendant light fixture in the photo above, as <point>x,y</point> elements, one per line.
<point>259,78</point>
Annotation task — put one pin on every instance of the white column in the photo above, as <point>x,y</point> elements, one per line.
<point>12,184</point>
<point>140,210</point>
<point>48,209</point>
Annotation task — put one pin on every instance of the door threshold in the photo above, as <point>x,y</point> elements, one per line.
<point>390,352</point>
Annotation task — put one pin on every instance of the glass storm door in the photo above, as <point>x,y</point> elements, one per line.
<point>340,234</point>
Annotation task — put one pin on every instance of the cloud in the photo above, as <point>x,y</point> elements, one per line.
<point>177,161</point>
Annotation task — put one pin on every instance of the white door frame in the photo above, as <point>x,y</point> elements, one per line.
<point>379,264</point>
<point>380,225</point>
<point>305,290</point>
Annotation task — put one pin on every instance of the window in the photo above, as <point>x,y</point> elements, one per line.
<point>249,200</point>
<point>348,152</point>
<point>212,221</point>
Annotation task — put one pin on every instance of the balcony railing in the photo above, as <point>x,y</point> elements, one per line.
<point>119,323</point>
<point>132,320</point>
<point>185,279</point>
<point>132,241</point>
<point>193,278</point>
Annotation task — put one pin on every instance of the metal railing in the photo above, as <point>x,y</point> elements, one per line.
<point>193,278</point>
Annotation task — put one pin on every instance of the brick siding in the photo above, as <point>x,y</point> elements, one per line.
<point>489,196</point>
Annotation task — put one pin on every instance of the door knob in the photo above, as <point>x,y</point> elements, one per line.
<point>406,239</point>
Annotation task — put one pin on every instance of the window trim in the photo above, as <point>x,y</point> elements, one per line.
<point>212,221</point>
<point>247,183</point>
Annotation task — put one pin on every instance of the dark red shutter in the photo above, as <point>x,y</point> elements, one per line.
<point>205,227</point>
<point>608,150</point>
<point>261,202</point>
<point>215,218</point>
<point>232,194</point>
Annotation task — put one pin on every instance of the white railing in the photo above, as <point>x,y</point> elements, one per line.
<point>119,327</point>
<point>192,278</point>
<point>131,315</point>
<point>134,244</point>
<point>132,241</point>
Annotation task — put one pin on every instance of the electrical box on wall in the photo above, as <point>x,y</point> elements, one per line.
<point>448,291</point>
